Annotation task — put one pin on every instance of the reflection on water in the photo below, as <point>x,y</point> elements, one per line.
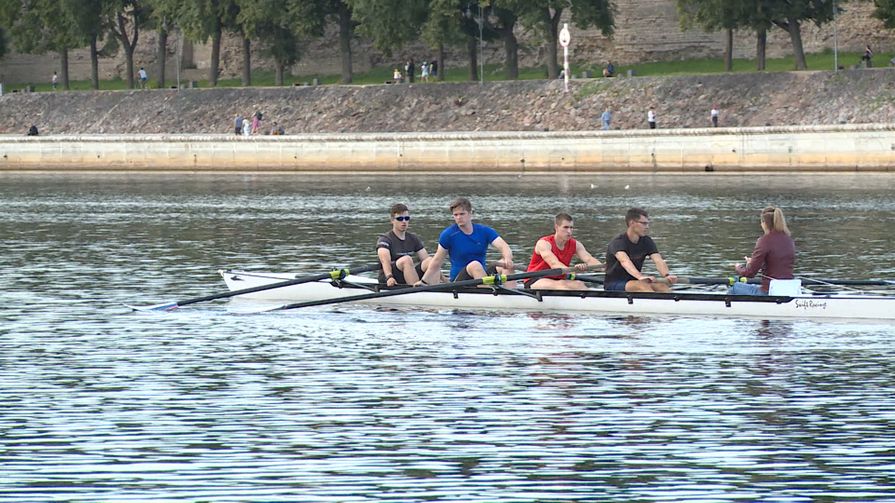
<point>359,404</point>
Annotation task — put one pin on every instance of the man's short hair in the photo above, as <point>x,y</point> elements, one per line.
<point>635,214</point>
<point>397,209</point>
<point>562,217</point>
<point>462,203</point>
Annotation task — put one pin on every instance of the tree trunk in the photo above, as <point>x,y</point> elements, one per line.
<point>511,49</point>
<point>441,72</point>
<point>162,54</point>
<point>728,50</point>
<point>280,73</point>
<point>798,50</point>
<point>472,47</point>
<point>345,43</point>
<point>128,46</point>
<point>246,62</point>
<point>761,45</point>
<point>63,67</point>
<point>94,63</point>
<point>214,68</point>
<point>552,24</point>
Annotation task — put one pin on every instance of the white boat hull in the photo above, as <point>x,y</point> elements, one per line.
<point>692,303</point>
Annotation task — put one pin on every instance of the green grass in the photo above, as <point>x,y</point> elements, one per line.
<point>379,75</point>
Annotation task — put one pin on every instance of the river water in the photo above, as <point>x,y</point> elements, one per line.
<point>358,404</point>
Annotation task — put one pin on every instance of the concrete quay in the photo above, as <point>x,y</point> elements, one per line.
<point>778,149</point>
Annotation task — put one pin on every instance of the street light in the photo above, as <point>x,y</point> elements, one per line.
<point>835,41</point>
<point>479,21</point>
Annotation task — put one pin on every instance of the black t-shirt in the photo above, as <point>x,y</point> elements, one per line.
<point>636,251</point>
<point>398,248</point>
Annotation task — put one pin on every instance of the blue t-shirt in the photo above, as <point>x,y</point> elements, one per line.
<point>463,248</point>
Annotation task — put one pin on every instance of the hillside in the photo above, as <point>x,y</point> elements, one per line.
<point>752,99</point>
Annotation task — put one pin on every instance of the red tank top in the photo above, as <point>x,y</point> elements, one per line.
<point>565,255</point>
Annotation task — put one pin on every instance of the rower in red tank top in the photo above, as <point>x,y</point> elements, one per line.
<point>557,251</point>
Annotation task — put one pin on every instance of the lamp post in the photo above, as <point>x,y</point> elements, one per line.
<point>835,41</point>
<point>479,21</point>
<point>564,39</point>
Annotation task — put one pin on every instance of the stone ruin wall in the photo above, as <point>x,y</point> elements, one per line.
<point>646,30</point>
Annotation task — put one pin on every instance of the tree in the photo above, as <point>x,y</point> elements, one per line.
<point>544,17</point>
<point>389,23</point>
<point>442,28</point>
<point>202,20</point>
<point>40,26</point>
<point>312,18</point>
<point>91,28</point>
<point>2,42</point>
<point>885,11</point>
<point>127,18</point>
<point>714,15</point>
<point>271,22</point>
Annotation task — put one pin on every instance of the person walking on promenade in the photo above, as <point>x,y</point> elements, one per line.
<point>144,77</point>
<point>651,118</point>
<point>714,115</point>
<point>54,80</point>
<point>606,118</point>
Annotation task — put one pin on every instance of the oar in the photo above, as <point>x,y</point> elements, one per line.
<point>849,282</point>
<point>497,279</point>
<point>335,274</point>
<point>730,280</point>
<point>685,280</point>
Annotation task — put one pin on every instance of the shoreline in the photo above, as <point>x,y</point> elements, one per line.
<point>775,149</point>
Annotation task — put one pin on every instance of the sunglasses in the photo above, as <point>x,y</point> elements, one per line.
<point>403,218</point>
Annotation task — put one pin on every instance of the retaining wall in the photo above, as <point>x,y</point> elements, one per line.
<point>851,147</point>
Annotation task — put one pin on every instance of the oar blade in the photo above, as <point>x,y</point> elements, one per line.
<point>169,306</point>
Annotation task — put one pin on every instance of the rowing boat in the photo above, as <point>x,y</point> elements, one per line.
<point>683,302</point>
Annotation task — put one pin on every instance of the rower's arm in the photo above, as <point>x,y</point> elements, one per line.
<point>434,271</point>
<point>506,253</point>
<point>544,250</point>
<point>385,258</point>
<point>629,266</point>
<point>422,254</point>
<point>584,256</point>
<point>662,267</point>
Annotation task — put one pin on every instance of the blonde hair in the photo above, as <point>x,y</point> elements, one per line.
<point>774,220</point>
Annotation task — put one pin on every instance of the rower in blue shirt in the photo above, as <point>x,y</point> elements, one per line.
<point>466,244</point>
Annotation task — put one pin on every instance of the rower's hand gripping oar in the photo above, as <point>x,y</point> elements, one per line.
<point>335,275</point>
<point>497,279</point>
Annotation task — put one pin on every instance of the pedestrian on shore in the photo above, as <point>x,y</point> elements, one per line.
<point>144,77</point>
<point>714,114</point>
<point>424,72</point>
<point>866,58</point>
<point>238,124</point>
<point>256,123</point>
<point>396,76</point>
<point>54,80</point>
<point>433,68</point>
<point>606,118</point>
<point>246,127</point>
<point>651,118</point>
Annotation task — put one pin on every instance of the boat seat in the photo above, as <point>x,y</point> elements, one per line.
<point>785,287</point>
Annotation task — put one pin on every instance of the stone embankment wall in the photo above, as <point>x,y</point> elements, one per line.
<point>774,99</point>
<point>788,121</point>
